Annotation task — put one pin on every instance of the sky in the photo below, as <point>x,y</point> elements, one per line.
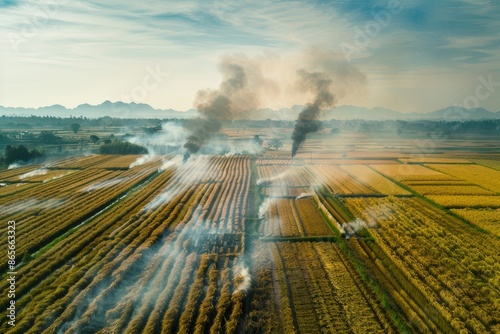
<point>417,55</point>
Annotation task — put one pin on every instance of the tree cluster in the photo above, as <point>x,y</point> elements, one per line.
<point>20,154</point>
<point>121,147</point>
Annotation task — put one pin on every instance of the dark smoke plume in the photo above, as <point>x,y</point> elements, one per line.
<point>215,106</point>
<point>250,83</point>
<point>200,129</point>
<point>308,120</point>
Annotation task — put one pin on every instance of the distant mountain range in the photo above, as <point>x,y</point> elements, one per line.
<point>141,110</point>
<point>107,108</point>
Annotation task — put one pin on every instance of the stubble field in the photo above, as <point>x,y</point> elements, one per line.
<point>368,241</point>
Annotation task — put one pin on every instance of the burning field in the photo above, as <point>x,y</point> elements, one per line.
<point>275,167</point>
<point>231,236</point>
<point>229,244</point>
<point>222,236</point>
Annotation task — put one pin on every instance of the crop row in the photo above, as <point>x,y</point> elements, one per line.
<point>281,219</point>
<point>437,189</point>
<point>317,291</point>
<point>483,176</point>
<point>294,217</point>
<point>141,266</point>
<point>82,163</point>
<point>274,161</point>
<point>13,188</point>
<point>284,191</point>
<point>393,283</point>
<point>41,272</point>
<point>294,176</point>
<point>56,188</point>
<point>494,164</point>
<point>448,269</point>
<point>376,181</point>
<point>118,161</point>
<point>408,172</point>
<point>39,175</point>
<point>339,181</point>
<point>56,215</point>
<point>488,219</point>
<point>312,220</point>
<point>466,201</point>
<point>428,158</point>
<point>45,197</point>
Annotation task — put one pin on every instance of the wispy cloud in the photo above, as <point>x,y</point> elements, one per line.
<point>434,33</point>
<point>107,45</point>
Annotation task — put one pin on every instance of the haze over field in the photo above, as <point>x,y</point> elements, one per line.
<point>133,110</point>
<point>250,166</point>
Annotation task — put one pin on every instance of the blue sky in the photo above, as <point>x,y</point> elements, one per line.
<point>423,55</point>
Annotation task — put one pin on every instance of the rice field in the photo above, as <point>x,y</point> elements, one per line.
<point>244,244</point>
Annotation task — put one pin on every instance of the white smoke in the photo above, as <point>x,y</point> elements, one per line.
<point>14,165</point>
<point>351,228</point>
<point>31,203</point>
<point>274,178</point>
<point>244,147</point>
<point>160,199</point>
<point>355,226</point>
<point>243,279</point>
<point>104,184</point>
<point>196,168</point>
<point>231,147</point>
<point>36,172</point>
<point>264,207</point>
<point>150,156</point>
<point>55,177</point>
<point>304,195</point>
<point>376,213</point>
<point>167,163</point>
<point>171,134</point>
